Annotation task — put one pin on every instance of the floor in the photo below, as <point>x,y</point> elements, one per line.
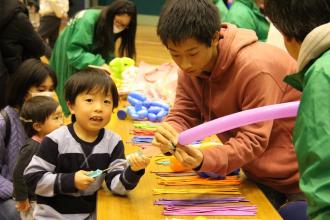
<point>149,47</point>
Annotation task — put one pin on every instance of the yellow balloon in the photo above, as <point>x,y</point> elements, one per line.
<point>200,218</point>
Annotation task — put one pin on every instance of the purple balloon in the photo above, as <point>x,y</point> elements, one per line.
<point>228,122</point>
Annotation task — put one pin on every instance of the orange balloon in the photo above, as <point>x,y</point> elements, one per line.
<point>176,166</point>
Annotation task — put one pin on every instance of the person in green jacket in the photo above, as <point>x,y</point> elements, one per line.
<point>89,39</point>
<point>305,27</point>
<point>248,14</point>
<point>223,10</point>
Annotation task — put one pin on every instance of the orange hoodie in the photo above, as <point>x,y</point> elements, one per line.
<point>247,74</point>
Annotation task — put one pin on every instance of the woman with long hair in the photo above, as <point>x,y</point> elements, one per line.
<point>90,38</point>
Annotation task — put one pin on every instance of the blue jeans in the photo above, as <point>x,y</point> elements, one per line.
<point>8,210</point>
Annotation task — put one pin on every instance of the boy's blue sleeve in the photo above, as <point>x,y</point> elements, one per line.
<point>120,178</point>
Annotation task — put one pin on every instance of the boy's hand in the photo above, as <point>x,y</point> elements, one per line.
<point>81,180</point>
<point>138,161</point>
<point>189,157</point>
<point>23,206</point>
<point>165,137</point>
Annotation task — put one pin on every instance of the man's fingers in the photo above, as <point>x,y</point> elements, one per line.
<point>188,157</point>
<point>172,131</point>
<point>193,152</point>
<point>162,143</point>
<point>184,158</point>
<point>168,132</point>
<point>160,138</point>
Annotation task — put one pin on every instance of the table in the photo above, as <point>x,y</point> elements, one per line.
<point>138,205</point>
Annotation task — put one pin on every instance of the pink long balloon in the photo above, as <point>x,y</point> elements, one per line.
<point>228,122</point>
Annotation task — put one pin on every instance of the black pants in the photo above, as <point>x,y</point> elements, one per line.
<point>49,28</point>
<point>278,199</point>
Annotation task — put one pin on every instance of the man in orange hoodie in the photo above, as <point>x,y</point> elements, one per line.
<point>223,71</point>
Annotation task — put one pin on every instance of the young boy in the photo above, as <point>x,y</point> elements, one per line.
<point>224,71</point>
<point>59,172</point>
<point>248,14</point>
<point>39,115</point>
<point>306,30</point>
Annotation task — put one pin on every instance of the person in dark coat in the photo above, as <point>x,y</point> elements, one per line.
<point>18,40</point>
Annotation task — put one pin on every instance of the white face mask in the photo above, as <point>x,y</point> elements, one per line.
<point>117,30</point>
<point>46,93</point>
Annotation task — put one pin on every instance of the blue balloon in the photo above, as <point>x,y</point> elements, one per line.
<point>160,104</point>
<point>146,104</point>
<point>138,106</point>
<point>161,114</point>
<point>152,117</point>
<point>154,109</point>
<point>122,114</point>
<point>133,101</point>
<point>210,175</point>
<point>138,96</point>
<point>142,113</point>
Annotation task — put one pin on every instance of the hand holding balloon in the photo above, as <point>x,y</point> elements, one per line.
<point>166,138</point>
<point>189,157</point>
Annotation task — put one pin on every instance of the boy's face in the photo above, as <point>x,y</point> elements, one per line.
<point>92,110</point>
<point>54,121</point>
<point>194,57</point>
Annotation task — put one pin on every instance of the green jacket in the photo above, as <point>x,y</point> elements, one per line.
<point>312,130</point>
<point>246,14</point>
<point>73,50</point>
<point>223,10</point>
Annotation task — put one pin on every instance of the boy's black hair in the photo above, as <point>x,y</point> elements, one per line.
<point>104,38</point>
<point>296,18</point>
<point>36,109</point>
<point>31,72</point>
<point>87,80</point>
<point>183,19</point>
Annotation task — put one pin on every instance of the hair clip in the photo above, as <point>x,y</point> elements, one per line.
<point>25,120</point>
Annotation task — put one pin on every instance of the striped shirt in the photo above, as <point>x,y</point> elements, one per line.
<point>50,174</point>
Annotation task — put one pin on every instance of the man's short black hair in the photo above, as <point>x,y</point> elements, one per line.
<point>296,18</point>
<point>183,19</point>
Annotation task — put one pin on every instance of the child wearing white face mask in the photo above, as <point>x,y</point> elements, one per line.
<point>89,39</point>
<point>40,115</point>
<point>32,76</point>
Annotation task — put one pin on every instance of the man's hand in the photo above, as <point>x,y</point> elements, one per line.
<point>81,180</point>
<point>166,138</point>
<point>189,157</point>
